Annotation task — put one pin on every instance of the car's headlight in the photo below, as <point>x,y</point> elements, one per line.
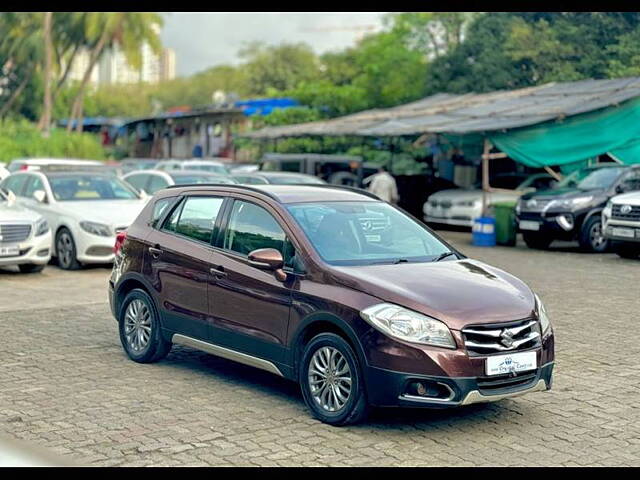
<point>576,202</point>
<point>96,228</point>
<point>42,227</point>
<point>408,325</point>
<point>607,209</point>
<point>518,208</point>
<point>545,324</point>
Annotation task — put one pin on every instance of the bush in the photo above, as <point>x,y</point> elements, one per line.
<point>22,139</point>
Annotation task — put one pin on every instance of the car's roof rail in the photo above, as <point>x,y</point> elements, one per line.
<point>361,191</point>
<point>230,185</point>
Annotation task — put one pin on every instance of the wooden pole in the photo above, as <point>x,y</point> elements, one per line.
<point>485,177</point>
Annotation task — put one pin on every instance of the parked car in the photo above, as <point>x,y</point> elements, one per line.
<point>345,170</point>
<point>573,210</point>
<point>212,166</point>
<point>4,173</point>
<point>84,209</point>
<point>244,168</point>
<point>277,178</point>
<point>131,164</point>
<point>462,206</point>
<point>621,223</point>
<point>38,163</point>
<point>25,236</point>
<point>150,181</point>
<point>290,279</point>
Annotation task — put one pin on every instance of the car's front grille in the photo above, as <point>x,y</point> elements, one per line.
<point>500,382</point>
<point>13,233</point>
<point>487,339</point>
<point>629,213</point>
<point>534,205</point>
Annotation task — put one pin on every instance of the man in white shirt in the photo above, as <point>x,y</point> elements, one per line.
<point>384,186</point>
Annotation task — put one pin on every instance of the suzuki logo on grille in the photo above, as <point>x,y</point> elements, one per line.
<point>625,209</point>
<point>506,338</point>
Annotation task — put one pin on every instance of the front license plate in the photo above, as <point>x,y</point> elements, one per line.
<point>9,251</point>
<point>511,363</point>
<point>623,232</point>
<point>529,225</point>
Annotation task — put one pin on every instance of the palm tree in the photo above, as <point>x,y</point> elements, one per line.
<point>45,119</point>
<point>126,30</point>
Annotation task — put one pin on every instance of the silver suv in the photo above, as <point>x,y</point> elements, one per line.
<point>621,224</point>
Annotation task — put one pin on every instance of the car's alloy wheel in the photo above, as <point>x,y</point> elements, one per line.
<point>330,379</point>
<point>66,250</point>
<point>140,332</point>
<point>137,325</point>
<point>592,237</point>
<point>596,237</point>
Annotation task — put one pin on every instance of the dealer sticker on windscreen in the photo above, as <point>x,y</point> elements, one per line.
<point>511,363</point>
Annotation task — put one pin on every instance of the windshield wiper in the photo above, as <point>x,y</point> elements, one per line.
<point>442,256</point>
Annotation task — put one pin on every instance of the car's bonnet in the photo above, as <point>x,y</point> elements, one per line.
<point>458,292</point>
<point>111,212</point>
<point>17,213</point>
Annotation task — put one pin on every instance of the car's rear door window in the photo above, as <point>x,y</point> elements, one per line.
<point>195,218</point>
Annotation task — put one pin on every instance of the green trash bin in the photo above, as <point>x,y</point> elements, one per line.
<point>505,222</point>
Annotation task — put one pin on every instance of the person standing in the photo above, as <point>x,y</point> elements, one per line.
<point>384,186</point>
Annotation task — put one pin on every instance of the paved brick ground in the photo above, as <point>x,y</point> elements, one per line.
<point>65,384</point>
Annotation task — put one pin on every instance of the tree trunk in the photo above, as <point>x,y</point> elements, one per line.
<point>14,96</point>
<point>45,119</point>
<point>76,109</point>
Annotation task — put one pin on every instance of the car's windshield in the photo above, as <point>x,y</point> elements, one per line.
<point>201,178</point>
<point>294,179</point>
<point>365,233</point>
<point>90,187</point>
<point>587,179</point>
<point>208,167</point>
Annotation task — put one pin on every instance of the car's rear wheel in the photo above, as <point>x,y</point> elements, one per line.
<point>331,381</point>
<point>140,333</point>
<point>592,237</point>
<point>66,250</point>
<point>31,268</point>
<point>536,240</point>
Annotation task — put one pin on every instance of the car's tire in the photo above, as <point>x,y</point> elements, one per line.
<point>140,331</point>
<point>332,399</point>
<point>537,241</point>
<point>66,250</point>
<point>31,268</point>
<point>592,237</point>
<point>627,251</point>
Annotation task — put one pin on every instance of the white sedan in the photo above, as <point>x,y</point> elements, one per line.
<point>461,206</point>
<point>84,209</point>
<point>25,236</point>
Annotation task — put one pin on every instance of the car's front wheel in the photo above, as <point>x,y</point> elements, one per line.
<point>140,333</point>
<point>66,250</point>
<point>592,237</point>
<point>331,381</point>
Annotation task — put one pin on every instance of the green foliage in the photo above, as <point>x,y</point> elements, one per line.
<point>23,139</point>
<point>288,116</point>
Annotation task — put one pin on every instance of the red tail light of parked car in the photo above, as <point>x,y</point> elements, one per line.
<point>120,238</point>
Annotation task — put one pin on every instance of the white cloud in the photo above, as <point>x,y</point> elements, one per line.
<point>202,40</point>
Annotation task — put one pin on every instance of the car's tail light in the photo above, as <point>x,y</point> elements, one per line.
<point>120,238</point>
<point>24,166</point>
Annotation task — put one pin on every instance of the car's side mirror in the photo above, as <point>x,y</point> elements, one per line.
<point>268,259</point>
<point>620,188</point>
<point>40,196</point>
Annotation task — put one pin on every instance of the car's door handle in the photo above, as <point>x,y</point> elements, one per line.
<point>155,252</point>
<point>218,272</point>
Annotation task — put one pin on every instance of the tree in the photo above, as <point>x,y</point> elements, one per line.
<point>126,30</point>
<point>279,67</point>
<point>45,121</point>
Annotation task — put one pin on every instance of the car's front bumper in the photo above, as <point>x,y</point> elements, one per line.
<point>387,388</point>
<point>33,251</point>
<point>613,227</point>
<point>92,248</point>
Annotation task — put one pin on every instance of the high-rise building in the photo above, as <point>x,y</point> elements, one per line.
<point>167,65</point>
<point>79,67</point>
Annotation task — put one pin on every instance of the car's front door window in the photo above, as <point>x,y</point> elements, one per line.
<point>251,227</point>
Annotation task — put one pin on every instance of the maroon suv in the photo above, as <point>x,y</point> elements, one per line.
<point>332,288</point>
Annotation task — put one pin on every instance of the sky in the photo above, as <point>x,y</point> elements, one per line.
<point>202,40</point>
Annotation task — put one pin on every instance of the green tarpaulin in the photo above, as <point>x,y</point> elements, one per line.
<point>569,142</point>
